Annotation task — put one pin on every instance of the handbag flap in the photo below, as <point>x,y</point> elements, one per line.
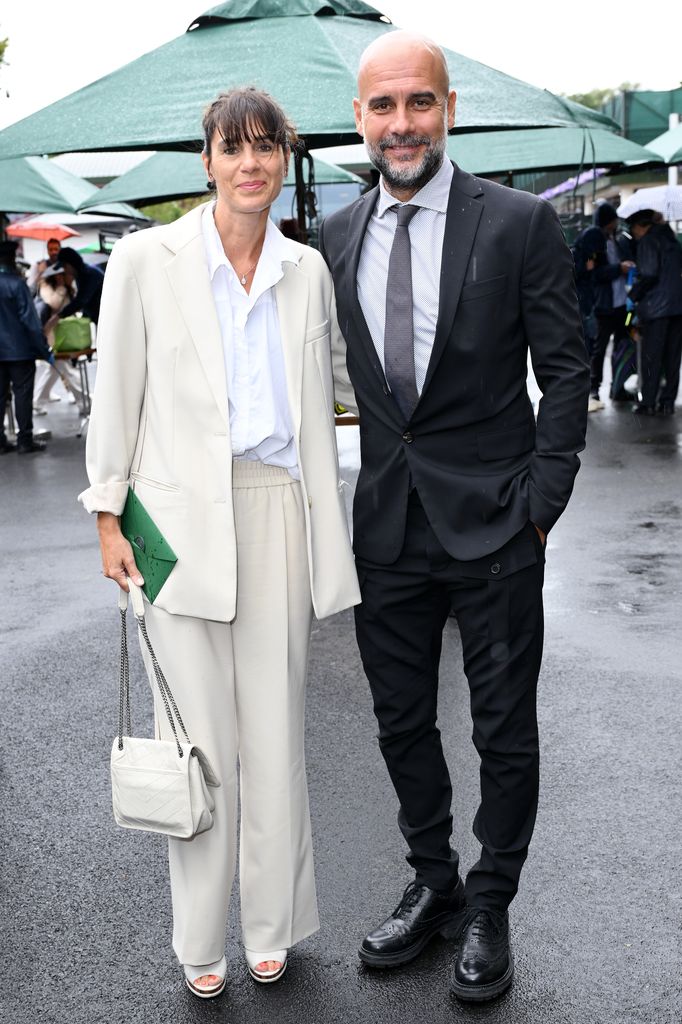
<point>209,775</point>
<point>147,752</point>
<point>143,752</point>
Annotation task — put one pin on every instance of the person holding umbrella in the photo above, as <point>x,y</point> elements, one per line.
<point>214,401</point>
<point>657,294</point>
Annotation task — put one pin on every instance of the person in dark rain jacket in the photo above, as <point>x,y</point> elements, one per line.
<point>21,342</point>
<point>657,293</point>
<point>613,259</point>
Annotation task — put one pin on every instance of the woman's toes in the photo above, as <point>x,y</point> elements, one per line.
<point>206,980</point>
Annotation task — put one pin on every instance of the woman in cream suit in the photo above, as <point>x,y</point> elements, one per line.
<point>214,401</point>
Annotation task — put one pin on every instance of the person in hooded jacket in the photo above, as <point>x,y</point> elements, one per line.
<point>657,293</point>
<point>21,342</point>
<point>612,260</point>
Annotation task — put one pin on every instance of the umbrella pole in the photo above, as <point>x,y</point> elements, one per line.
<point>300,195</point>
<point>306,200</point>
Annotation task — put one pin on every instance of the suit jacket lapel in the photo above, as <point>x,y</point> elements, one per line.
<point>291,294</point>
<point>188,275</point>
<point>356,233</point>
<point>465,207</point>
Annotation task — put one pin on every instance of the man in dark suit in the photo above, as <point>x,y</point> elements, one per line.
<point>444,282</point>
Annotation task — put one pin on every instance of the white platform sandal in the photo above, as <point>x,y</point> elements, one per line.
<point>257,964</point>
<point>194,973</point>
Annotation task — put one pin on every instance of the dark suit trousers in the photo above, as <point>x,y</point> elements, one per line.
<point>497,601</point>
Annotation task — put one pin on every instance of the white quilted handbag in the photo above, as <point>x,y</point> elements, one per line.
<point>157,785</point>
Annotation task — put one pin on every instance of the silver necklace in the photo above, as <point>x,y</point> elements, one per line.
<point>247,272</point>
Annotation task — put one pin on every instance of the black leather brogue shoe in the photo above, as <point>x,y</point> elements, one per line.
<point>484,967</point>
<point>421,914</point>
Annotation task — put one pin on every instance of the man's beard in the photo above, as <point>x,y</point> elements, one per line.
<point>408,177</point>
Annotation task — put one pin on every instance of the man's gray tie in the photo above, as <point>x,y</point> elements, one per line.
<point>399,329</point>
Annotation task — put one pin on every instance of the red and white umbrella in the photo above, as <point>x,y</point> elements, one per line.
<point>32,227</point>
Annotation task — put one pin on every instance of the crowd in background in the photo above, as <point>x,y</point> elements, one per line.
<point>32,311</point>
<point>630,290</point>
<point>629,285</point>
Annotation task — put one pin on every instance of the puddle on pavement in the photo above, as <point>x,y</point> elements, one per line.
<point>638,582</point>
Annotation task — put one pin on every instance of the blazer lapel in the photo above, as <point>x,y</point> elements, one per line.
<point>291,294</point>
<point>188,275</point>
<point>356,233</point>
<point>465,207</point>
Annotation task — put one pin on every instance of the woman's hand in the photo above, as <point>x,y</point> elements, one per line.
<point>118,561</point>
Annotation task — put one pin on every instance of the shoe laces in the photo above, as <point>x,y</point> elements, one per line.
<point>410,897</point>
<point>479,923</point>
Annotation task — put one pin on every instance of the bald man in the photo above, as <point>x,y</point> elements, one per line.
<point>444,283</point>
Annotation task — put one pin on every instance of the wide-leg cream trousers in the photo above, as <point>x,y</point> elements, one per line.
<point>240,688</point>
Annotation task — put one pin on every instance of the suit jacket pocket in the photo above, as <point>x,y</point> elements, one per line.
<point>506,444</point>
<point>481,289</point>
<point>150,482</point>
<point>316,332</point>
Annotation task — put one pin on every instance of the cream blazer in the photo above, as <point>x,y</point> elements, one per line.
<point>160,419</point>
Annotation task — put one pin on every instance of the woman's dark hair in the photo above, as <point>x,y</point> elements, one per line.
<point>244,115</point>
<point>69,257</point>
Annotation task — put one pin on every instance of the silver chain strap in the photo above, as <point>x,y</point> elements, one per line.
<point>124,684</point>
<point>161,681</point>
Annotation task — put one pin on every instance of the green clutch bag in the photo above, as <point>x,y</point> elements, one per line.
<point>154,556</point>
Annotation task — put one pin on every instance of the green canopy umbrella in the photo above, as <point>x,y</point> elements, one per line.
<point>168,175</point>
<point>304,52</point>
<point>525,149</point>
<point>669,145</point>
<point>545,149</point>
<point>35,185</point>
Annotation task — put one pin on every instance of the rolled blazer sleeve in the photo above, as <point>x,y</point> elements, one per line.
<point>119,388</point>
<point>553,329</point>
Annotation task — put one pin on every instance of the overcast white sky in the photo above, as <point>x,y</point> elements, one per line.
<point>57,47</point>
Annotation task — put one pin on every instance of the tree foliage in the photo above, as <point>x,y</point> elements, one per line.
<point>596,97</point>
<point>3,47</point>
<point>164,213</point>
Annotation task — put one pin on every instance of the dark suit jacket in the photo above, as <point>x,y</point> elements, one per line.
<point>481,464</point>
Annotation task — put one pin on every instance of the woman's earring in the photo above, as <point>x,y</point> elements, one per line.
<point>210,184</point>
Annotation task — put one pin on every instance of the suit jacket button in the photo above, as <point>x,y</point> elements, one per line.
<point>407,437</point>
<point>495,568</point>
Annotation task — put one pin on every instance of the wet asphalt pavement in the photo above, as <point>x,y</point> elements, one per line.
<point>596,927</point>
